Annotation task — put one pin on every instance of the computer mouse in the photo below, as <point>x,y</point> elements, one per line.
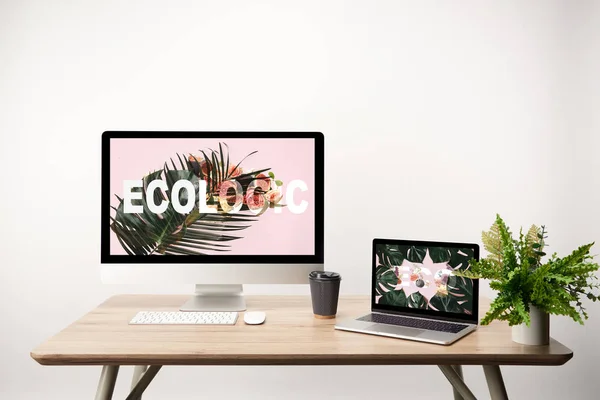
<point>254,317</point>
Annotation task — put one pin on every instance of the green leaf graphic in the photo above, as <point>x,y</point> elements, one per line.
<point>417,300</point>
<point>394,298</point>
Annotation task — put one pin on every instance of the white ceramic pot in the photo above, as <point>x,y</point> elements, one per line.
<point>537,333</point>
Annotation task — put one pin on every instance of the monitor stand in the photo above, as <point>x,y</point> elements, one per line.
<point>216,298</point>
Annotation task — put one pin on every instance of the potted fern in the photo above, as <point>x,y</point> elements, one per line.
<point>530,289</point>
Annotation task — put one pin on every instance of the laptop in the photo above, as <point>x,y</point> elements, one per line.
<point>416,296</point>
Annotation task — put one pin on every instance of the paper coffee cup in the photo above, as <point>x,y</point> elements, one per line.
<point>324,293</point>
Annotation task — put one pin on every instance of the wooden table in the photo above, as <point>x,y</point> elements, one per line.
<point>290,336</point>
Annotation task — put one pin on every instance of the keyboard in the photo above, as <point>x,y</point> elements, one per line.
<point>184,318</point>
<point>429,324</point>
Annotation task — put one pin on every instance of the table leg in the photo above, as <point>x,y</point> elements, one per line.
<point>106,385</point>
<point>138,371</point>
<point>143,382</point>
<point>457,382</point>
<point>493,376</point>
<point>459,372</point>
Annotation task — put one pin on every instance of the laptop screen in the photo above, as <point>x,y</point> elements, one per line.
<point>417,277</point>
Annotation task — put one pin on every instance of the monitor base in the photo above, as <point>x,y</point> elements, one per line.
<point>216,298</point>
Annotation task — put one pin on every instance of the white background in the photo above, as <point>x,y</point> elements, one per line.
<point>447,111</point>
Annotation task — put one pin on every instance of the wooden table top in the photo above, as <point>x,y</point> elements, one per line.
<point>290,336</point>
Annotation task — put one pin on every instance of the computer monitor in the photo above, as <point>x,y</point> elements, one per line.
<point>215,209</point>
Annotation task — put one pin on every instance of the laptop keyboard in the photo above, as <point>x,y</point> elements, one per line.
<point>428,324</point>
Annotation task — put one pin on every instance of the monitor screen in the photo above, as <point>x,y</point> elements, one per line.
<point>212,196</point>
<point>420,277</point>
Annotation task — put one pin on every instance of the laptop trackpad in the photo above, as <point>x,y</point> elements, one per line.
<point>396,330</point>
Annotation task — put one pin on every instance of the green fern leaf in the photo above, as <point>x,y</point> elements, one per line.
<point>493,244</point>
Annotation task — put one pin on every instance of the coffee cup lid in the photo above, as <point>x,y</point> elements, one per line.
<point>325,276</point>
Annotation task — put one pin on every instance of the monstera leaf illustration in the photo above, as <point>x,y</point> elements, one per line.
<point>462,290</point>
<point>459,258</point>
<point>385,279</point>
<point>394,298</point>
<point>439,255</point>
<point>444,303</point>
<point>391,255</point>
<point>416,254</point>
<point>417,300</point>
<point>458,287</point>
<point>194,233</point>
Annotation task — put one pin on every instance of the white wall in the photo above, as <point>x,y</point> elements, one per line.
<point>462,109</point>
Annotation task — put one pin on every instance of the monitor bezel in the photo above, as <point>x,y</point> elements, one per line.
<point>316,258</point>
<point>473,318</point>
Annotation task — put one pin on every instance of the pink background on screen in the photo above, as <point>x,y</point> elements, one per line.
<point>271,234</point>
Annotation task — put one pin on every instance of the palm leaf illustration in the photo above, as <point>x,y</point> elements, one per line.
<point>194,233</point>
